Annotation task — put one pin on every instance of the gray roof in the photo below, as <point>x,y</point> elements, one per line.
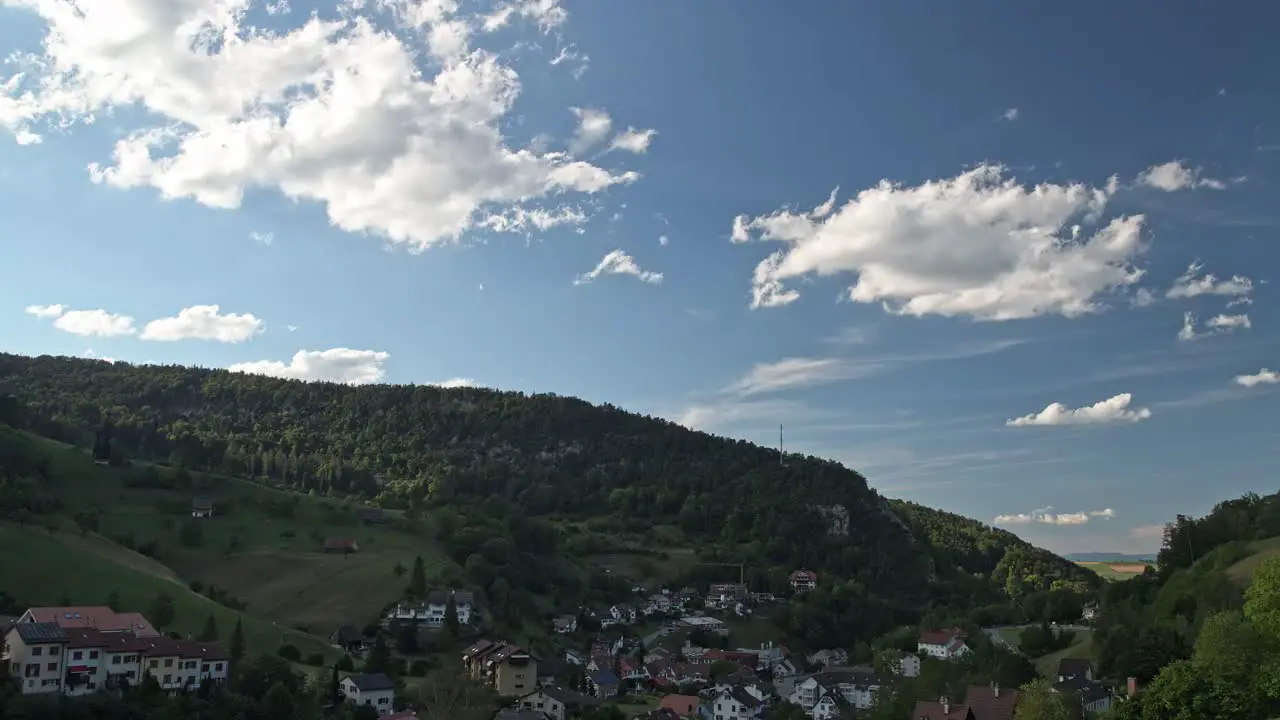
<point>372,682</point>
<point>569,698</point>
<point>202,503</point>
<point>462,597</point>
<point>40,632</point>
<point>437,597</point>
<point>1070,667</point>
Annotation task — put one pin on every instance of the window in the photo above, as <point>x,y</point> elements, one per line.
<point>53,650</point>
<point>383,701</point>
<point>168,678</point>
<point>154,664</point>
<point>168,662</point>
<point>77,655</point>
<point>53,667</point>
<point>38,651</point>
<point>218,666</point>
<point>115,660</point>
<point>93,654</point>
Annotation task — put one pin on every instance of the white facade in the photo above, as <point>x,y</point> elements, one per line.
<point>381,700</point>
<point>431,612</point>
<point>731,705</point>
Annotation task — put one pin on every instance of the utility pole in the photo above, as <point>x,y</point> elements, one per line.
<point>782,456</point>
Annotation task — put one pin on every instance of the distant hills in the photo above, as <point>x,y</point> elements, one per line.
<point>1111,557</point>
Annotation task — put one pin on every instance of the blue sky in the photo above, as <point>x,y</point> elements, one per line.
<point>1030,202</point>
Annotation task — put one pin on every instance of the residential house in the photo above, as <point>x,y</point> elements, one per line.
<point>660,713</point>
<point>902,663</point>
<point>657,653</point>
<point>631,670</point>
<point>97,617</point>
<point>549,670</point>
<point>34,652</point>
<point>565,624</point>
<point>574,657</point>
<point>740,657</point>
<point>624,614</point>
<point>1094,697</point>
<point>46,657</point>
<point>736,704</point>
<point>943,709</point>
<point>1090,612</point>
<point>991,702</point>
<point>803,581</point>
<point>201,507</point>
<point>946,644</point>
<point>463,602</point>
<point>684,706</point>
<point>557,703</point>
<point>855,686</point>
<point>603,683</point>
<point>348,638</point>
<point>508,669</point>
<point>1074,667</point>
<point>703,622</point>
<point>519,714</point>
<point>658,605</point>
<point>431,610</point>
<point>728,592</point>
<point>341,545</point>
<point>372,689</point>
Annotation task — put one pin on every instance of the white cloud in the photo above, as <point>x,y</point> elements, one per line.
<point>1112,410</point>
<point>265,238</point>
<point>977,245</point>
<point>663,240</point>
<point>618,262</point>
<point>1262,377</point>
<point>1188,331</point>
<point>291,328</point>
<point>1176,175</point>
<point>204,322</point>
<point>45,311</point>
<point>340,109</point>
<point>1192,284</point>
<point>1229,322</point>
<point>1047,516</point>
<point>523,220</point>
<point>338,365</point>
<point>633,140</point>
<point>593,127</point>
<point>89,354</point>
<point>798,372</point>
<point>95,323</point>
<point>1011,114</point>
<point>570,54</point>
<point>458,382</point>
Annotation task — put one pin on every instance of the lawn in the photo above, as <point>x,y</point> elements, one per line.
<point>1242,571</point>
<point>1115,570</point>
<point>262,546</point>
<point>1082,648</point>
<point>632,705</point>
<point>46,567</point>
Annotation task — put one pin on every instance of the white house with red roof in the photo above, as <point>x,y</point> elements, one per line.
<point>945,644</point>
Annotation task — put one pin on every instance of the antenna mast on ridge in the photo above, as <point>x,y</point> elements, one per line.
<point>781,453</point>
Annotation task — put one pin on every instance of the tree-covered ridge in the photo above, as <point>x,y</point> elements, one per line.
<point>541,455</point>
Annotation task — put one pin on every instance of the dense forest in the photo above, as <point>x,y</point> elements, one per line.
<point>1201,639</point>
<point>473,452</point>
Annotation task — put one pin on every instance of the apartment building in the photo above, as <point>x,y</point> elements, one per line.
<point>510,670</point>
<point>48,657</point>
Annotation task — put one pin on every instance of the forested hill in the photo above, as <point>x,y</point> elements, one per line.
<point>543,455</point>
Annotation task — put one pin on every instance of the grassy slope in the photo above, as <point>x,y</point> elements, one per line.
<point>1082,648</point>
<point>278,570</point>
<point>45,567</point>
<point>1242,571</point>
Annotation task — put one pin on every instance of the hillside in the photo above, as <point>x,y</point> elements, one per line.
<point>525,492</point>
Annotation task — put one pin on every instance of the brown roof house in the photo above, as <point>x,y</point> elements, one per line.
<point>991,702</point>
<point>943,709</point>
<point>508,669</point>
<point>803,580</point>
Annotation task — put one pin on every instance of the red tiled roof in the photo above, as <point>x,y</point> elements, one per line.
<point>991,702</point>
<point>681,704</point>
<point>941,637</point>
<point>98,617</point>
<point>808,575</point>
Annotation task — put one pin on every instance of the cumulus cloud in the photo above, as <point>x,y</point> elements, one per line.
<point>1177,175</point>
<point>342,108</point>
<point>663,240</point>
<point>633,140</point>
<point>618,262</point>
<point>1262,377</point>
<point>45,311</point>
<point>1047,516</point>
<point>1010,115</point>
<point>977,245</point>
<point>1112,410</point>
<point>593,127</point>
<point>1192,284</point>
<point>337,365</point>
<point>85,323</point>
<point>458,382</point>
<point>1227,323</point>
<point>204,322</point>
<point>1188,331</point>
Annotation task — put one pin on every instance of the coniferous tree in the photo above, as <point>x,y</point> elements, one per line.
<point>237,640</point>
<point>451,617</point>
<point>379,659</point>
<point>210,631</point>
<point>418,580</point>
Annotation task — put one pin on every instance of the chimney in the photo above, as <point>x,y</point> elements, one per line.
<point>1133,686</point>
<point>995,689</point>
